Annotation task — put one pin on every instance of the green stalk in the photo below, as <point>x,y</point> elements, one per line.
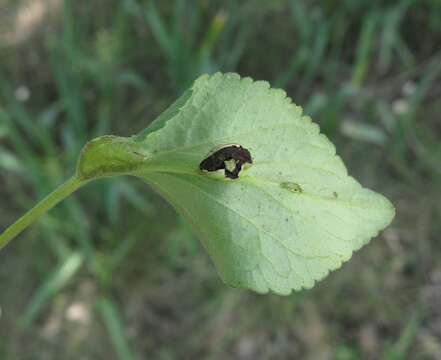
<point>40,209</point>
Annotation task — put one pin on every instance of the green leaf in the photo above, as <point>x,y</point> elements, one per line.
<point>292,215</point>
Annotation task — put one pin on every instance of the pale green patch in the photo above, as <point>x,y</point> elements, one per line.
<point>288,220</point>
<point>230,165</point>
<point>291,186</point>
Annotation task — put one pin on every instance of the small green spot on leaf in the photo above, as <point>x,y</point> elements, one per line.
<point>291,186</point>
<point>230,165</point>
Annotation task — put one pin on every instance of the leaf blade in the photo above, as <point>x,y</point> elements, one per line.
<point>291,217</point>
<point>260,234</point>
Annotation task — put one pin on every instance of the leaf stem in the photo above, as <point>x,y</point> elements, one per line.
<point>40,209</point>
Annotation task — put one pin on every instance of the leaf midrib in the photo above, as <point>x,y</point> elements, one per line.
<point>254,181</point>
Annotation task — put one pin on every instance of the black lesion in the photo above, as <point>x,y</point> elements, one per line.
<point>230,158</point>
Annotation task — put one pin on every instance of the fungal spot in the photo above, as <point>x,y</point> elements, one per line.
<point>231,158</point>
<point>335,194</point>
<point>291,186</point>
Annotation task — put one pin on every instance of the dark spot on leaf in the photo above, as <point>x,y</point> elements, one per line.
<point>231,158</point>
<point>335,194</point>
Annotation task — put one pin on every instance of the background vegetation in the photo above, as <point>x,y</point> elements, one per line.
<point>113,273</point>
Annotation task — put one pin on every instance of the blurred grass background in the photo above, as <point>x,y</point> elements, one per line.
<point>114,273</point>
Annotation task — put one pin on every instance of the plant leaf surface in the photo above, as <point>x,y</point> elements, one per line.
<point>291,217</point>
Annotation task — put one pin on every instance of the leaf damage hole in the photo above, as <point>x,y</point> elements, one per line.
<point>230,158</point>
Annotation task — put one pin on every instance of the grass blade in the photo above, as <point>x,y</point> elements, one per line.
<point>57,280</point>
<point>109,314</point>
